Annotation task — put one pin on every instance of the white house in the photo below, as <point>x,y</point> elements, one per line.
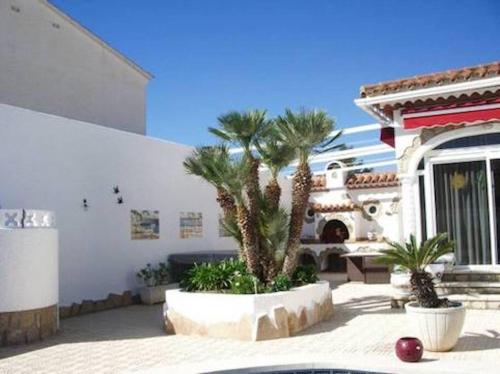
<point>445,128</point>
<point>51,64</point>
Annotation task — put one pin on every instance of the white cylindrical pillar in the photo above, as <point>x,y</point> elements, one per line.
<point>29,276</point>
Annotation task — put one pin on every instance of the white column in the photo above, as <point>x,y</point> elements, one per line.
<point>408,208</point>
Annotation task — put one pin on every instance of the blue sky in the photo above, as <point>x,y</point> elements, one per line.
<point>212,56</point>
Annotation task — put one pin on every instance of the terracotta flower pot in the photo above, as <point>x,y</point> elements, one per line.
<point>409,349</point>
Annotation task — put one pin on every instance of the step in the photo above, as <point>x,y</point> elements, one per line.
<point>468,276</point>
<point>446,288</point>
<point>470,301</point>
<point>482,301</point>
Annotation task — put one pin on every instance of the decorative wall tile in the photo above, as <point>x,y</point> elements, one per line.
<point>144,224</point>
<point>11,218</point>
<point>26,218</point>
<point>191,225</point>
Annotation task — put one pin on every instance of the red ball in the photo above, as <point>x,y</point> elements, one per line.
<point>409,349</point>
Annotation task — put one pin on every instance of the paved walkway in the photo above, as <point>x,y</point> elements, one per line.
<point>361,335</point>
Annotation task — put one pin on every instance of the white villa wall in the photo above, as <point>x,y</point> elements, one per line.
<point>52,163</point>
<point>385,223</point>
<point>52,66</point>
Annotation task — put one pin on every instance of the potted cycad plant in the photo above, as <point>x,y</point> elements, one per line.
<point>439,321</point>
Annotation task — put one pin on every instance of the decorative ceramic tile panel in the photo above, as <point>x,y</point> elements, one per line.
<point>191,225</point>
<point>145,224</point>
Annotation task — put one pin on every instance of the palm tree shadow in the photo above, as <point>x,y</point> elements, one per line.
<point>478,342</point>
<point>349,310</point>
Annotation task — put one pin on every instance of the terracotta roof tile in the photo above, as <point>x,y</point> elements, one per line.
<point>328,208</point>
<point>372,180</point>
<point>431,80</point>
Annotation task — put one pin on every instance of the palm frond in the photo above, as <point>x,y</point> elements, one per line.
<point>275,154</point>
<point>413,256</point>
<point>305,130</point>
<point>241,128</point>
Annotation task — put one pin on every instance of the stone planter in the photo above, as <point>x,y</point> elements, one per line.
<point>247,317</point>
<point>437,328</point>
<point>153,294</point>
<point>401,286</point>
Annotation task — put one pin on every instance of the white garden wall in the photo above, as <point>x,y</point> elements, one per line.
<point>49,162</point>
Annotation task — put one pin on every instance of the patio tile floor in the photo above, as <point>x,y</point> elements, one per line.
<point>361,335</point>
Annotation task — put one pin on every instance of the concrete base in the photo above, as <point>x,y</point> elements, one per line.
<point>28,325</point>
<point>247,317</point>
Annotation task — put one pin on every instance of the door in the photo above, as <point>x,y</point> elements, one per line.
<point>462,209</point>
<point>495,175</point>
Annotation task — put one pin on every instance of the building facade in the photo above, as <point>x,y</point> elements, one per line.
<point>445,128</point>
<point>52,64</point>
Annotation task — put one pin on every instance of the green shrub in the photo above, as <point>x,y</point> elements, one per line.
<point>244,283</point>
<point>304,274</point>
<point>212,276</point>
<point>154,276</point>
<point>232,276</point>
<point>281,283</point>
<point>163,273</point>
<point>147,275</point>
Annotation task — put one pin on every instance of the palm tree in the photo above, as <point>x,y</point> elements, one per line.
<point>276,155</point>
<point>272,227</point>
<point>307,132</point>
<point>234,176</point>
<point>415,258</point>
<point>206,162</point>
<point>243,129</point>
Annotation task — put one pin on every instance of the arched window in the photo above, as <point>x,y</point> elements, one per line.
<point>471,141</point>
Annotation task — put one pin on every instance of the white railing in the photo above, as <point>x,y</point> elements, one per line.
<point>369,150</point>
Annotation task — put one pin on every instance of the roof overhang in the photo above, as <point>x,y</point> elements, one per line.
<point>376,103</point>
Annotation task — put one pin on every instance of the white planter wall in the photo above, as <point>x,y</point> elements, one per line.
<point>247,317</point>
<point>50,162</point>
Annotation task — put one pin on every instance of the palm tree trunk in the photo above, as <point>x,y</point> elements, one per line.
<point>301,188</point>
<point>423,288</point>
<point>253,187</point>
<point>254,257</point>
<point>273,194</point>
<point>250,244</point>
<point>226,201</point>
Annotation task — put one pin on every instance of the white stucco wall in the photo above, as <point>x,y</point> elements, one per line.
<point>28,269</point>
<point>385,223</point>
<point>52,163</point>
<point>51,66</point>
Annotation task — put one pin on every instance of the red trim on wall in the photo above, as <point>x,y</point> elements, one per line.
<point>451,118</point>
<point>387,136</point>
